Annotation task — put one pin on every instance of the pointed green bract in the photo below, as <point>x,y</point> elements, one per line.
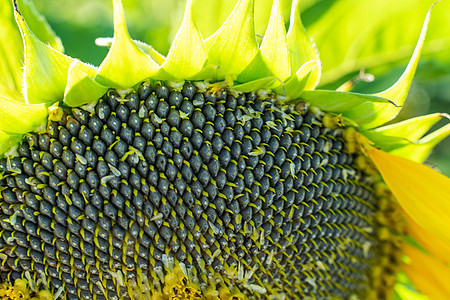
<point>274,48</point>
<point>45,72</point>
<point>187,54</point>
<point>421,149</point>
<point>39,25</point>
<point>81,87</point>
<point>233,46</point>
<point>146,48</point>
<point>18,117</point>
<point>125,65</point>
<point>11,45</point>
<point>370,115</point>
<point>272,59</point>
<point>337,102</point>
<point>301,47</point>
<point>10,61</point>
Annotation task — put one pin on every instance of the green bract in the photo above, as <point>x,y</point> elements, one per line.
<point>176,106</point>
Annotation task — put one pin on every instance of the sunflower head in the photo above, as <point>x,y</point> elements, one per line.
<point>218,171</point>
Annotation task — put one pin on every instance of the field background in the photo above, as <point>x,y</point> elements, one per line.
<point>378,36</point>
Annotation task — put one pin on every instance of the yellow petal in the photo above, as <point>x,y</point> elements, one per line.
<point>429,241</point>
<point>421,191</point>
<point>429,275</point>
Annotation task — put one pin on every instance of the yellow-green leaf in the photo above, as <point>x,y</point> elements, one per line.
<point>302,48</point>
<point>422,192</point>
<point>370,115</point>
<point>233,46</point>
<point>81,87</point>
<point>421,149</point>
<point>45,72</point>
<point>125,64</point>
<point>335,101</point>
<point>18,117</point>
<point>187,54</point>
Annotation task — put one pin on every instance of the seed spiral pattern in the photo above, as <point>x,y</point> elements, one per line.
<point>239,193</point>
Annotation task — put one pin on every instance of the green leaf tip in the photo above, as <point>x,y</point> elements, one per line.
<point>233,46</point>
<point>187,55</point>
<point>371,115</point>
<point>45,71</point>
<point>125,64</point>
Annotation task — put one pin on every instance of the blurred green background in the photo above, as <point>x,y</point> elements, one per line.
<point>378,36</point>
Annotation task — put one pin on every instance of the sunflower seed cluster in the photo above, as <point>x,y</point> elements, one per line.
<point>240,191</point>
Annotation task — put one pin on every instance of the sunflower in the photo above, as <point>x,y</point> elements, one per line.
<point>218,171</point>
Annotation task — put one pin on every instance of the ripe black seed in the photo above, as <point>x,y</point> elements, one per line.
<point>132,101</point>
<point>180,174</point>
<point>122,112</point>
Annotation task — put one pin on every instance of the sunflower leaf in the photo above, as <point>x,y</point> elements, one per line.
<point>81,87</point>
<point>337,102</point>
<point>233,46</point>
<point>18,117</point>
<point>187,55</point>
<point>301,48</point>
<point>421,149</point>
<point>115,70</point>
<point>45,72</point>
<point>370,115</point>
<point>421,191</point>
